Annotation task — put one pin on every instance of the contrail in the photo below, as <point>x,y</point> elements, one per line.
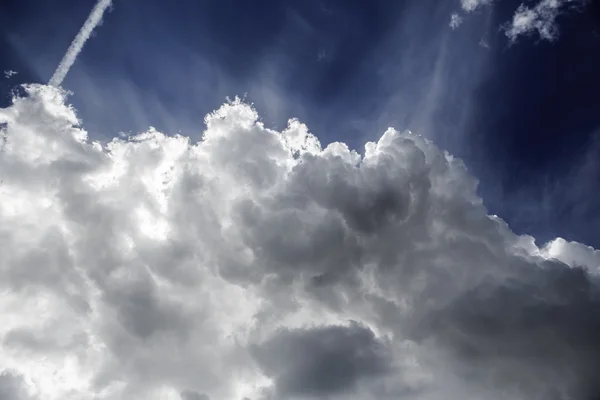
<point>78,42</point>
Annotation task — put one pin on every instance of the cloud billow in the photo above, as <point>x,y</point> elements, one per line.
<point>322,361</point>
<point>259,264</point>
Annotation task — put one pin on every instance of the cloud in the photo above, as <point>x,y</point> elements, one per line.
<point>12,387</point>
<point>9,73</point>
<point>472,5</point>
<point>455,20</point>
<point>77,44</point>
<point>191,395</point>
<point>261,264</point>
<point>540,19</point>
<point>322,361</point>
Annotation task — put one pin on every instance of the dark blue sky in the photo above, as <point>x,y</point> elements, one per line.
<point>525,117</point>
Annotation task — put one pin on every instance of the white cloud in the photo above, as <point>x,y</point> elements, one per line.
<point>9,73</point>
<point>540,19</point>
<point>255,262</point>
<point>472,5</point>
<point>455,20</point>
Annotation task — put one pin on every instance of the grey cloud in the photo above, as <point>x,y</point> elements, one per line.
<point>12,387</point>
<point>322,361</point>
<point>47,343</point>
<point>191,395</point>
<point>537,335</point>
<point>142,312</point>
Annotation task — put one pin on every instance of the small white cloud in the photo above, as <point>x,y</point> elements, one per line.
<point>455,20</point>
<point>540,19</point>
<point>467,6</point>
<point>472,5</point>
<point>10,73</point>
<point>527,20</point>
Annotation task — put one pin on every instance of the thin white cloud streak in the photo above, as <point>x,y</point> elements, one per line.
<point>77,45</point>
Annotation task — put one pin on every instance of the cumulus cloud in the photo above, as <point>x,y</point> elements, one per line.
<point>455,21</point>
<point>322,361</point>
<point>527,20</point>
<point>472,5</point>
<point>260,264</point>
<point>12,387</point>
<point>540,19</point>
<point>9,73</point>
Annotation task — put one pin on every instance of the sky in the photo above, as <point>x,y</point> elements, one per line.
<point>265,200</point>
<point>522,113</point>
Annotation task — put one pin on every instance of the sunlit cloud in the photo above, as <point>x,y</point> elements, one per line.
<point>264,264</point>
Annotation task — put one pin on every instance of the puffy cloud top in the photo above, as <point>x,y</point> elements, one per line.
<point>259,264</point>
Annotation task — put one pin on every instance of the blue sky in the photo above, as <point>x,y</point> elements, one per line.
<point>525,116</point>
